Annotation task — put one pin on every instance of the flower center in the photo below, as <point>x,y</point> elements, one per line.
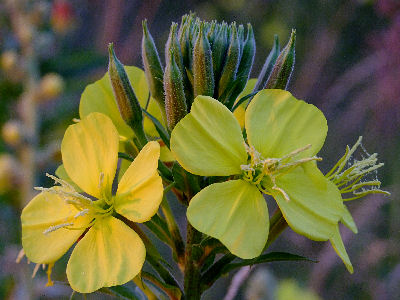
<point>262,172</point>
<point>93,209</point>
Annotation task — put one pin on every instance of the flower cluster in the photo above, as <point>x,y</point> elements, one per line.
<point>224,165</point>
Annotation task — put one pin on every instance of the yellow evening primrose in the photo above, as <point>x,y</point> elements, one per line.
<point>108,252</point>
<point>99,97</point>
<point>279,159</point>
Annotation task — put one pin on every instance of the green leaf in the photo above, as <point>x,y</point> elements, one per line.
<point>265,258</point>
<point>159,228</point>
<point>172,291</point>
<point>179,176</point>
<point>123,292</point>
<point>225,265</point>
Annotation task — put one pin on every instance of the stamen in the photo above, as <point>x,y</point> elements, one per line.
<point>82,213</point>
<point>259,167</point>
<point>37,266</point>
<point>295,152</point>
<point>349,174</point>
<point>56,227</point>
<point>20,256</point>
<point>101,180</point>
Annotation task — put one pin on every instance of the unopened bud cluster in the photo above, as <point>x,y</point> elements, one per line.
<point>211,59</point>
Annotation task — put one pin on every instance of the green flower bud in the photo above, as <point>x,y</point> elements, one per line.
<point>152,67</point>
<point>203,75</point>
<point>175,102</point>
<point>268,65</point>
<point>231,63</point>
<point>173,44</point>
<point>246,63</point>
<point>283,68</point>
<point>219,48</point>
<point>127,102</point>
<point>241,38</point>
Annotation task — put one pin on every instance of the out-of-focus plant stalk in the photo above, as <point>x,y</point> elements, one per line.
<point>28,111</point>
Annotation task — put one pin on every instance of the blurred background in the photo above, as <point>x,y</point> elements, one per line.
<point>347,64</point>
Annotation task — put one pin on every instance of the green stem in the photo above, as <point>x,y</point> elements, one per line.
<point>141,136</point>
<point>192,271</point>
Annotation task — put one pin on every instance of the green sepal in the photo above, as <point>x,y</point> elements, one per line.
<point>164,135</point>
<point>243,99</point>
<point>268,65</point>
<point>283,68</point>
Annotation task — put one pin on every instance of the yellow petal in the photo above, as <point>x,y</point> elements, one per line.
<point>109,254</point>
<point>277,124</point>
<point>42,212</point>
<point>90,154</point>
<point>208,141</point>
<point>140,190</point>
<point>234,212</point>
<point>314,206</point>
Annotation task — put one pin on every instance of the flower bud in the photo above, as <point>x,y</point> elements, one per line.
<point>283,68</point>
<point>183,36</point>
<point>127,102</point>
<point>203,75</point>
<point>246,63</point>
<point>9,172</point>
<point>51,86</point>
<point>268,65</point>
<point>12,133</point>
<point>9,60</point>
<point>175,102</point>
<point>231,63</point>
<point>173,44</point>
<point>152,67</point>
<point>219,48</point>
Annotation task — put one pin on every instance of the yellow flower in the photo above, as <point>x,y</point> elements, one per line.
<point>109,252</point>
<point>283,137</point>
